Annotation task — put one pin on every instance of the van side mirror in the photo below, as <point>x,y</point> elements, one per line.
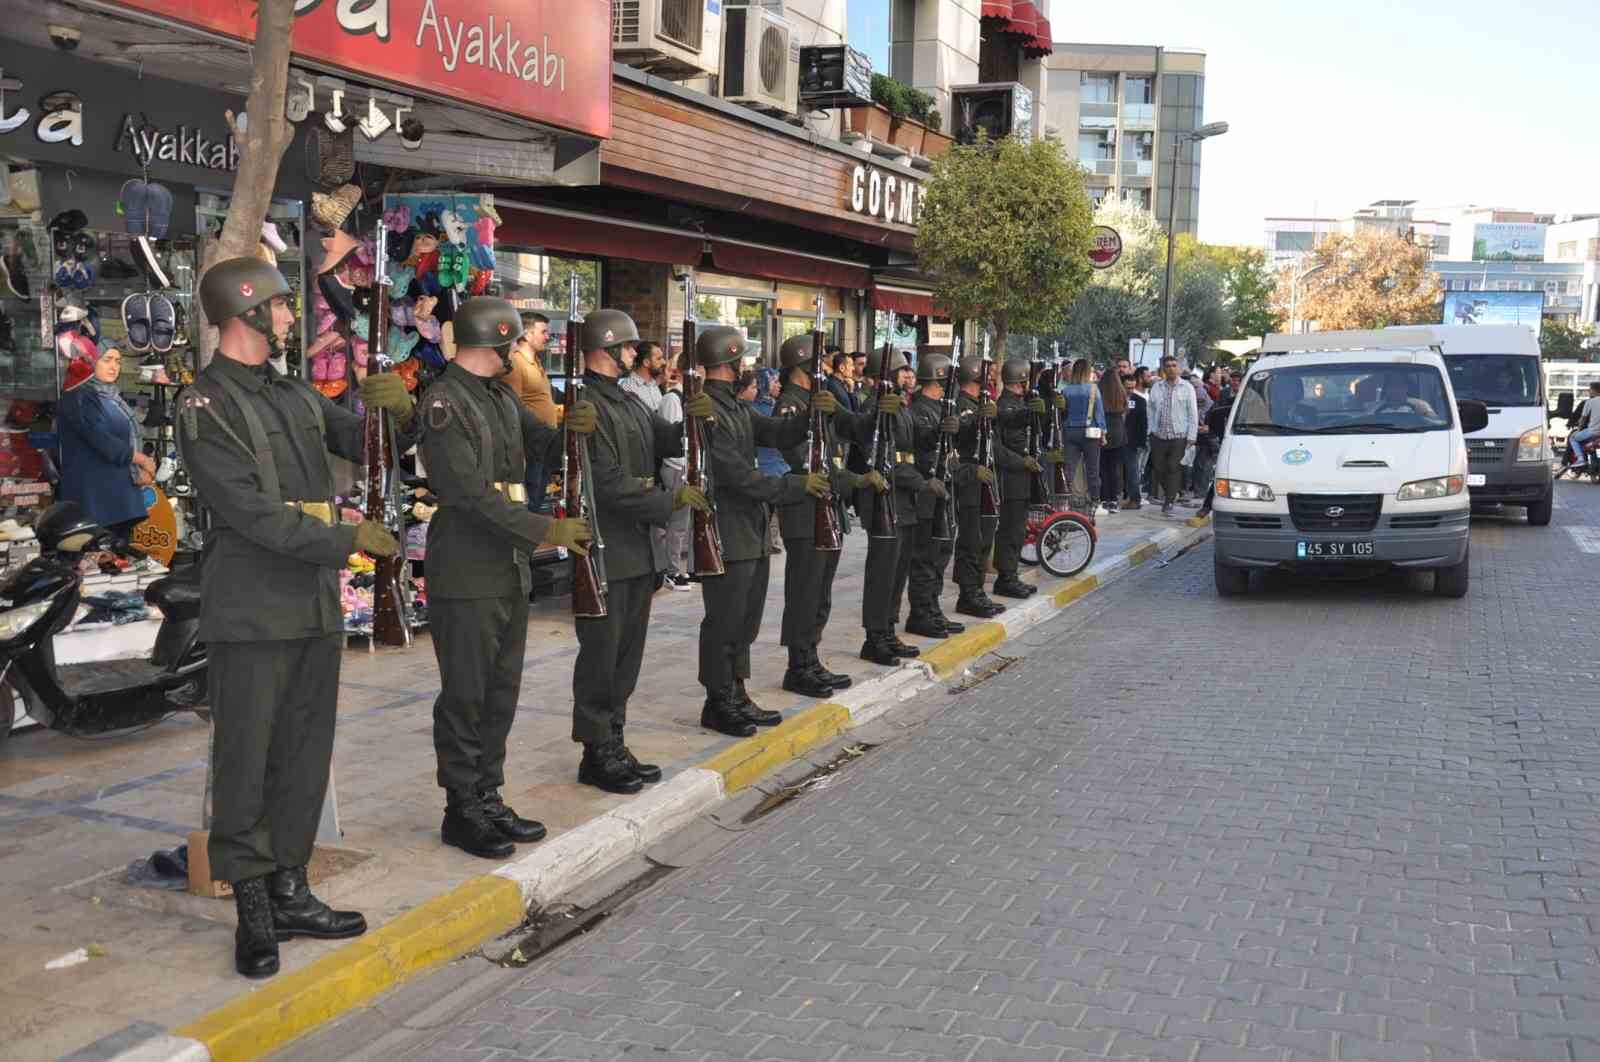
<point>1474,415</point>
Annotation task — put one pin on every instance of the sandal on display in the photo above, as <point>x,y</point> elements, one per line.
<point>136,322</point>
<point>163,323</point>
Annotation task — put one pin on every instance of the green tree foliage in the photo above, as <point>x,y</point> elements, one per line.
<point>1248,283</point>
<point>1144,249</point>
<point>1005,234</point>
<point>1103,321</point>
<point>1564,342</point>
<point>1200,314</point>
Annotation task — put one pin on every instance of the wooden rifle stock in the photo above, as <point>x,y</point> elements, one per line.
<point>705,540</point>
<point>577,499</point>
<point>389,625</point>
<point>1053,432</point>
<point>882,521</point>
<point>988,493</point>
<point>943,526</point>
<point>827,531</point>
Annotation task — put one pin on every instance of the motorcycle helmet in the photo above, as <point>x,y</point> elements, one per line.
<point>65,528</point>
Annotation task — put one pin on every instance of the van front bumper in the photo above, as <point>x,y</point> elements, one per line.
<point>1253,546</point>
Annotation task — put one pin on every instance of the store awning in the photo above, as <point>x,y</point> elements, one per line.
<point>908,302</point>
<point>585,234</point>
<point>1021,19</point>
<point>996,9</point>
<point>812,270</point>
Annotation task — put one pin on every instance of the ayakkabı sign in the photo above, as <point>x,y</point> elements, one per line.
<point>545,60</point>
<point>885,196</point>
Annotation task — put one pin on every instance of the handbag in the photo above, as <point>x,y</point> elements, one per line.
<point>1089,429</point>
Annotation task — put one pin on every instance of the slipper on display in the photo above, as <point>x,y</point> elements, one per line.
<point>401,342</point>
<point>480,281</point>
<point>136,322</point>
<point>430,355</point>
<point>163,323</point>
<point>133,203</point>
<point>270,237</point>
<point>82,275</point>
<point>340,299</point>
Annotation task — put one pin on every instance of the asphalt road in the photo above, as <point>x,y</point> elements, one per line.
<point>1325,821</point>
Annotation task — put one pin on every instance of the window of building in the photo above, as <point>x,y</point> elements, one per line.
<point>1139,89</point>
<point>1567,250</point>
<point>1097,88</point>
<point>1441,245</point>
<point>1293,241</point>
<point>1138,196</point>
<point>1144,146</point>
<point>1095,147</point>
<point>532,280</point>
<point>1097,195</point>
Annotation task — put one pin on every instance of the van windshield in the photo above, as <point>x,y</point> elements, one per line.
<point>1495,379</point>
<point>1344,399</point>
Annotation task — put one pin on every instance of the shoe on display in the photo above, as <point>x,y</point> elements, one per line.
<point>136,321</point>
<point>163,323</point>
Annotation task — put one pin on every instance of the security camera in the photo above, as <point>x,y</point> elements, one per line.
<point>65,37</point>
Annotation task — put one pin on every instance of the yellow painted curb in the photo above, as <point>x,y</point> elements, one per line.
<point>1075,589</point>
<point>291,1004</point>
<point>1143,553</point>
<point>745,763</point>
<point>951,653</point>
<point>1198,521</point>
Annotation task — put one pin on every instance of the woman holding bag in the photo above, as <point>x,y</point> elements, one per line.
<point>103,467</point>
<point>1114,448</point>
<point>1083,431</point>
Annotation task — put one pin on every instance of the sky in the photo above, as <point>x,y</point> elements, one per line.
<point>1334,105</point>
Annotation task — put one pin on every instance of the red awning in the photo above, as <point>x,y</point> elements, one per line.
<point>1029,24</point>
<point>524,227</point>
<point>908,302</point>
<point>996,9</point>
<point>769,264</point>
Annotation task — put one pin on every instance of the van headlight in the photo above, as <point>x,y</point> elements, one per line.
<point>1425,489</point>
<point>1240,490</point>
<point>18,620</point>
<point>1530,445</point>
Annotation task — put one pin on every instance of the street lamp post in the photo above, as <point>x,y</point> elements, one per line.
<point>1178,140</point>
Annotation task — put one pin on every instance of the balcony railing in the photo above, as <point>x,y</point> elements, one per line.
<point>1104,167</point>
<point>1136,167</point>
<point>1097,110</point>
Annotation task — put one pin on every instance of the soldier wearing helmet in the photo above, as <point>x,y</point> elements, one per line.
<point>1011,444</point>
<point>808,571</point>
<point>974,534</point>
<point>477,441</point>
<point>736,601</point>
<point>630,504</point>
<point>256,444</point>
<point>930,556</point>
<point>888,559</point>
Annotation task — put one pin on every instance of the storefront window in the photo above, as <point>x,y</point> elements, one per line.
<point>791,325</point>
<point>905,331</point>
<point>532,280</point>
<point>748,315</point>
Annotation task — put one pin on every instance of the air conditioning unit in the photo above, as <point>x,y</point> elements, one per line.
<point>675,39</point>
<point>1000,109</point>
<point>758,67</point>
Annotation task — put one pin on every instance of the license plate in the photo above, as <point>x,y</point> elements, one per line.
<point>1333,550</point>
<point>1477,481</point>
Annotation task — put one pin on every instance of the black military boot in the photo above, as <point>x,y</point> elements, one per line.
<point>802,679</point>
<point>970,605</point>
<point>901,648</point>
<point>467,827</point>
<point>832,678</point>
<point>648,773</point>
<point>604,767</point>
<point>1012,587</point>
<point>722,714</point>
<point>255,946</point>
<point>990,602</point>
<point>926,626</point>
<point>297,913</point>
<point>950,625</point>
<point>876,649</point>
<point>752,711</point>
<point>512,827</point>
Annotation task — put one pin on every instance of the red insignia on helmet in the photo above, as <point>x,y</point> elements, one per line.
<point>608,335</point>
<point>247,289</point>
<point>733,348</point>
<point>503,328</point>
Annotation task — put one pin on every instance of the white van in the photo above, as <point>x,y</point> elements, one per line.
<point>1509,461</point>
<point>1346,450</point>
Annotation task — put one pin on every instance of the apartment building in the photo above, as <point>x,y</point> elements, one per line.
<point>1119,107</point>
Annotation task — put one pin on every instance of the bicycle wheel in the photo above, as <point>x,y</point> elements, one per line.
<point>1066,545</point>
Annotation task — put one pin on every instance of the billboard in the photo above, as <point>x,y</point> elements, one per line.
<point>1494,307</point>
<point>1508,242</point>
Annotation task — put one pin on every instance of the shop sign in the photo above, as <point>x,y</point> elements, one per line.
<point>546,60</point>
<point>1107,247</point>
<point>885,196</point>
<point>941,335</point>
<point>188,147</point>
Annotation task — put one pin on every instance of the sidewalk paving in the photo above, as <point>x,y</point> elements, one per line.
<point>74,813</point>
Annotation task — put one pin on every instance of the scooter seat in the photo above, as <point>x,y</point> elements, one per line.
<point>173,595</point>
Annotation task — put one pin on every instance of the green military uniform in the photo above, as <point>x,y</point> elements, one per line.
<point>929,556</point>
<point>625,453</point>
<point>478,441</point>
<point>888,559</point>
<point>744,497</point>
<point>808,572</point>
<point>974,533</point>
<point>1011,444</point>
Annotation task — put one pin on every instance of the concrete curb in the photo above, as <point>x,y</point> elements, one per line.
<point>486,906</point>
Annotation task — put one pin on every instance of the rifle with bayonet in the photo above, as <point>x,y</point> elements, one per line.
<point>589,588</point>
<point>826,529</point>
<point>882,521</point>
<point>389,624</point>
<point>705,550</point>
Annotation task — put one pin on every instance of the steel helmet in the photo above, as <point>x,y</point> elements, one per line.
<point>897,361</point>
<point>970,371</point>
<point>719,345</point>
<point>1015,370</point>
<point>795,352</point>
<point>932,368</point>
<point>242,287</point>
<point>607,330</point>
<point>486,321</point>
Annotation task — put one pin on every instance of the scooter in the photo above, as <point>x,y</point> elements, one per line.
<point>1589,466</point>
<point>41,599</point>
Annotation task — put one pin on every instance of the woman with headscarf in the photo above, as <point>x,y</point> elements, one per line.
<point>103,467</point>
<point>1115,400</point>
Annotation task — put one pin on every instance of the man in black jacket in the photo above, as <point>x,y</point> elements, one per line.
<point>1016,466</point>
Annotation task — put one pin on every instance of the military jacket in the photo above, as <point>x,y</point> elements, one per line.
<point>625,455</point>
<point>797,519</point>
<point>1011,444</point>
<point>906,481</point>
<point>969,411</point>
<point>926,418</point>
<point>479,541</point>
<point>270,571</point>
<point>743,493</point>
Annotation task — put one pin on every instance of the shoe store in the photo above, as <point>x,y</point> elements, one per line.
<point>117,161</point>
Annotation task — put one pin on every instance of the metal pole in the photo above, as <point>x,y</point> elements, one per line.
<point>1172,221</point>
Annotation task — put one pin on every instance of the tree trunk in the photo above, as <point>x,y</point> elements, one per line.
<point>1001,322</point>
<point>261,145</point>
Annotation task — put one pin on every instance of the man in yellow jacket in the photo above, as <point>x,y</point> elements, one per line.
<point>531,385</point>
